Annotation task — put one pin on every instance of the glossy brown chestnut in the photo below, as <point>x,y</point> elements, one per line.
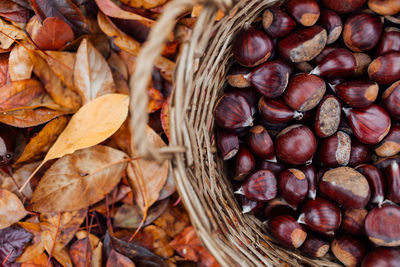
<point>390,41</point>
<point>276,111</point>
<point>392,174</point>
<point>360,153</point>
<point>346,186</point>
<point>304,67</point>
<point>260,143</point>
<point>332,23</point>
<point>277,207</point>
<point>357,93</point>
<point>326,51</point>
<point>375,180</point>
<point>295,144</point>
<point>340,62</point>
<point>344,6</point>
<point>311,176</point>
<point>321,215</point>
<point>382,225</point>
<point>303,44</point>
<point>277,23</point>
<point>385,69</point>
<point>293,186</point>
<point>383,163</point>
<point>249,205</point>
<point>353,221</point>
<point>305,12</point>
<point>370,125</point>
<point>260,186</point>
<point>385,257</point>
<point>275,167</point>
<point>304,92</point>
<point>287,231</point>
<point>335,150</point>
<point>232,111</point>
<point>252,47</point>
<point>384,7</point>
<point>362,63</point>
<point>362,32</point>
<point>237,76</point>
<point>391,99</point>
<point>270,79</point>
<point>328,116</point>
<point>315,247</point>
<point>245,163</point>
<point>227,144</point>
<point>349,250</point>
<point>390,145</point>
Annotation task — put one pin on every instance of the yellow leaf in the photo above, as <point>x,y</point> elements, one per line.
<point>19,64</point>
<point>12,210</point>
<point>7,30</point>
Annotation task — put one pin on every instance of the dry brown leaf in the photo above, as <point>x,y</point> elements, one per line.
<point>39,261</point>
<point>147,178</point>
<point>8,30</point>
<point>160,242</point>
<point>81,253</point>
<point>62,64</point>
<point>12,210</point>
<point>173,221</point>
<point>80,179</point>
<point>92,75</point>
<point>164,116</point>
<point>96,245</point>
<point>146,4</point>
<point>18,94</point>
<point>62,257</point>
<point>156,100</point>
<point>19,64</point>
<point>117,259</point>
<point>116,63</point>
<point>53,34</point>
<point>23,118</point>
<point>4,76</point>
<point>40,143</point>
<point>36,247</point>
<point>109,8</point>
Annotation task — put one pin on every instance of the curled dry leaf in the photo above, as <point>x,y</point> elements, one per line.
<point>41,142</point>
<point>109,8</point>
<point>12,210</point>
<point>80,179</point>
<point>169,187</point>
<point>13,241</point>
<point>81,253</point>
<point>53,34</point>
<point>18,94</point>
<point>146,4</point>
<point>117,259</point>
<point>36,247</point>
<point>19,64</point>
<point>8,30</point>
<point>23,118</point>
<point>92,75</point>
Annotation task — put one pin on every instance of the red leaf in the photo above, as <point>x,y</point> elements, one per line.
<point>53,34</point>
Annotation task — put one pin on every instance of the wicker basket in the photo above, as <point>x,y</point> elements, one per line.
<point>233,238</point>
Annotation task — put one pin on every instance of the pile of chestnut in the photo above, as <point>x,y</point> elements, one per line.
<point>309,126</point>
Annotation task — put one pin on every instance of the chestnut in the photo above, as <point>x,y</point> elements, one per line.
<point>384,7</point>
<point>275,167</point>
<point>315,247</point>
<point>375,181</point>
<point>311,176</point>
<point>362,63</point>
<point>276,112</point>
<point>357,93</point>
<point>305,12</point>
<point>362,32</point>
<point>332,23</point>
<point>304,92</point>
<point>349,250</point>
<point>304,67</point>
<point>346,186</point>
<point>303,44</point>
<point>339,62</point>
<point>260,143</point>
<point>385,257</point>
<point>277,23</point>
<point>383,163</point>
<point>328,116</point>
<point>293,186</point>
<point>287,231</point>
<point>335,150</point>
<point>245,163</point>
<point>390,145</point>
<point>391,99</point>
<point>237,76</point>
<point>295,144</point>
<point>227,144</point>
<point>252,47</point>
<point>278,207</point>
<point>392,174</point>
<point>321,215</point>
<point>270,79</point>
<point>382,225</point>
<point>326,51</point>
<point>385,69</point>
<point>353,221</point>
<point>344,6</point>
<point>370,125</point>
<point>260,186</point>
<point>249,205</point>
<point>232,111</point>
<point>390,41</point>
<point>360,153</point>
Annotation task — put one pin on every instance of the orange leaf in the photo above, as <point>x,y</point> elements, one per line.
<point>173,220</point>
<point>81,253</point>
<point>23,118</point>
<point>4,77</point>
<point>53,34</point>
<point>18,94</point>
<point>165,113</point>
<point>156,100</point>
<point>146,4</point>
<point>197,10</point>
<point>109,8</point>
<point>12,209</point>
<point>39,261</point>
<point>19,64</point>
<point>117,259</point>
<point>36,247</point>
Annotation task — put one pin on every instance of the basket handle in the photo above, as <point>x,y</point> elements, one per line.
<point>139,81</point>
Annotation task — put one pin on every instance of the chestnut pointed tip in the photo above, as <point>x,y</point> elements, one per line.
<point>301,219</point>
<point>248,122</point>
<point>298,115</point>
<point>315,71</point>
<point>272,159</point>
<point>246,209</point>
<point>239,191</point>
<point>346,110</point>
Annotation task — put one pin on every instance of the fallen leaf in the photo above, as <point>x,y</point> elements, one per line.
<point>13,241</point>
<point>62,224</point>
<point>156,100</point>
<point>6,31</point>
<point>53,34</point>
<point>80,179</point>
<point>109,8</point>
<point>173,220</point>
<point>147,4</point>
<point>12,210</point>
<point>169,187</point>
<point>13,11</point>
<point>4,76</point>
<point>62,64</point>
<point>147,178</point>
<point>39,261</point>
<point>36,247</point>
<point>91,125</point>
<point>63,257</point>
<point>81,253</point>
<point>18,94</point>
<point>42,141</point>
<point>196,10</point>
<point>23,118</point>
<point>160,241</point>
<point>116,63</point>
<point>117,259</point>
<point>96,246</point>
<point>122,137</point>
<point>92,75</point>
<point>165,114</point>
<point>19,64</point>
